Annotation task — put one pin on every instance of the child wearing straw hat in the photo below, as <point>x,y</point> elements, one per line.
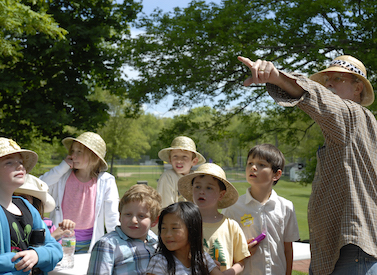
<point>83,191</point>
<point>182,155</point>
<point>36,192</point>
<point>18,218</point>
<point>223,238</point>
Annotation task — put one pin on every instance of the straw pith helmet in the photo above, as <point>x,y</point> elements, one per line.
<point>35,187</point>
<point>182,143</point>
<point>349,64</point>
<point>9,147</point>
<point>214,170</point>
<point>93,142</point>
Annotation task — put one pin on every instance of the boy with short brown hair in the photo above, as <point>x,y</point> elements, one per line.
<point>128,249</point>
<point>261,210</point>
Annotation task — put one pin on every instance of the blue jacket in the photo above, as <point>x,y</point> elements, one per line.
<point>49,254</point>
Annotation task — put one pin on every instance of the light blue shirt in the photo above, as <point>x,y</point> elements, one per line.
<point>116,253</point>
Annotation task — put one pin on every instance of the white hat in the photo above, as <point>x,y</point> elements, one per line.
<point>351,65</point>
<point>35,187</point>
<point>9,147</point>
<point>181,143</point>
<point>93,142</point>
<point>211,169</point>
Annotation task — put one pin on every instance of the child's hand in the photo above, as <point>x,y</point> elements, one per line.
<point>67,224</point>
<point>65,228</point>
<point>252,246</point>
<point>28,261</point>
<point>69,161</point>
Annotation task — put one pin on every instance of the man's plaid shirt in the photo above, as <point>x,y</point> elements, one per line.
<point>343,205</point>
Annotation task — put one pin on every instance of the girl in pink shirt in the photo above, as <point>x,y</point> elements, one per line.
<point>83,191</point>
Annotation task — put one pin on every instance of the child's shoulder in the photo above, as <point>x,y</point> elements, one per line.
<point>105,176</point>
<point>283,201</point>
<point>170,173</point>
<point>113,238</point>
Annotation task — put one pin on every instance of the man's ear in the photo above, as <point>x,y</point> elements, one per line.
<point>153,224</point>
<point>359,88</point>
<point>277,175</point>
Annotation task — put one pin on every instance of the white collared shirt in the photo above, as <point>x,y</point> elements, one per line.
<point>277,219</point>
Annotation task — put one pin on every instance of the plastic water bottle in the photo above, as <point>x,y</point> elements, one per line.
<point>68,244</point>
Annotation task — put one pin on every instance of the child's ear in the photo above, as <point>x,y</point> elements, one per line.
<point>195,161</point>
<point>222,194</point>
<point>153,224</point>
<point>277,175</point>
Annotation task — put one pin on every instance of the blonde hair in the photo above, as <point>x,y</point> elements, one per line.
<point>94,160</point>
<point>145,194</point>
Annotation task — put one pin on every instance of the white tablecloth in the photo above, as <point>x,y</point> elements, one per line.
<point>80,266</point>
<point>301,251</point>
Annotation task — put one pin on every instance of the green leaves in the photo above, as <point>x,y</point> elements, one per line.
<point>50,87</point>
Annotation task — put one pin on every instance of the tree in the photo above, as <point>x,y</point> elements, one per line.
<point>17,19</point>
<point>123,136</point>
<point>191,53</point>
<point>50,88</point>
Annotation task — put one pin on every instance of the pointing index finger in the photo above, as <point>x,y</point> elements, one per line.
<point>246,61</point>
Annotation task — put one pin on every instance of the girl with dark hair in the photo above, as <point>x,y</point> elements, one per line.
<point>180,249</point>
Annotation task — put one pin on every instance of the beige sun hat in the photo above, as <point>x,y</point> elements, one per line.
<point>9,147</point>
<point>183,143</point>
<point>211,169</point>
<point>93,142</point>
<point>349,64</point>
<point>35,187</point>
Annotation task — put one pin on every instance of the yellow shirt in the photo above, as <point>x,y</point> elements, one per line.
<point>225,242</point>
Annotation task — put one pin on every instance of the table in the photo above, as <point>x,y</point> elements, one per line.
<point>80,266</point>
<point>301,251</point>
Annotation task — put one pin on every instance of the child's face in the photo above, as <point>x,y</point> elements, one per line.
<point>135,220</point>
<point>206,192</point>
<point>259,172</point>
<point>174,234</point>
<point>182,161</point>
<point>12,171</point>
<point>80,158</point>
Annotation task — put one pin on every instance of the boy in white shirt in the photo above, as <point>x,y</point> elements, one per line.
<point>261,210</point>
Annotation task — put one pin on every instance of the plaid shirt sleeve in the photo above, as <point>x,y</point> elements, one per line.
<point>102,258</point>
<point>343,205</point>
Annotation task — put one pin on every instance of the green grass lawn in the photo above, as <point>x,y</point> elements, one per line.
<point>292,191</point>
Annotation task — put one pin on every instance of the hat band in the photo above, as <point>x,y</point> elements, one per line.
<point>348,66</point>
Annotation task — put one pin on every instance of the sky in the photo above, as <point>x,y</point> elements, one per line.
<point>162,109</point>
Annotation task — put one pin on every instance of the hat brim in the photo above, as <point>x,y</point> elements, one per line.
<point>185,189</point>
<point>29,158</point>
<point>164,154</point>
<point>47,200</point>
<point>368,92</point>
<point>67,142</point>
